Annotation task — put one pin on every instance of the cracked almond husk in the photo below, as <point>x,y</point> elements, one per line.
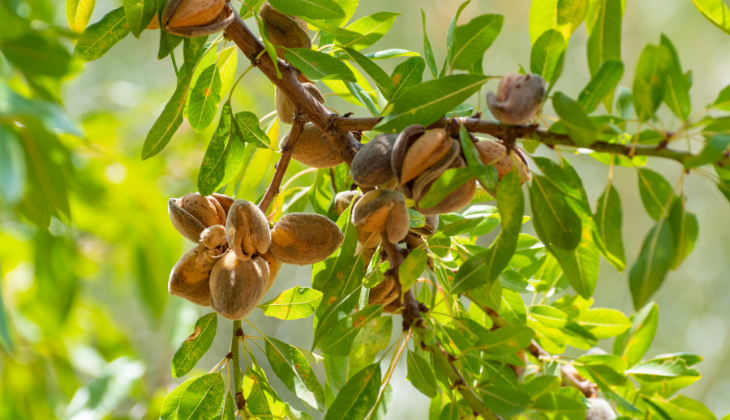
<point>195,18</point>
<point>382,211</point>
<point>247,230</point>
<point>285,30</point>
<point>304,238</point>
<point>365,239</point>
<point>237,286</point>
<point>371,166</point>
<point>496,153</point>
<point>456,200</point>
<point>313,148</point>
<point>285,109</point>
<point>518,98</point>
<point>192,213</point>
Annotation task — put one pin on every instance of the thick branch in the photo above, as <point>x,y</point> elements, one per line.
<point>283,163</point>
<point>343,142</point>
<point>530,132</point>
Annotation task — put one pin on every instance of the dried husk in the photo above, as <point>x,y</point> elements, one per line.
<point>195,18</point>
<point>371,166</point>
<point>432,224</point>
<point>304,238</point>
<point>192,213</point>
<point>424,153</point>
<point>275,265</point>
<point>342,202</point>
<point>384,292</point>
<point>404,140</point>
<point>418,188</point>
<point>285,109</point>
<point>247,230</point>
<point>457,199</point>
<point>382,211</point>
<point>518,98</point>
<point>313,148</point>
<point>285,30</point>
<point>237,286</point>
<point>189,282</point>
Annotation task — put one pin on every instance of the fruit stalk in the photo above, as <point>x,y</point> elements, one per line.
<point>283,164</point>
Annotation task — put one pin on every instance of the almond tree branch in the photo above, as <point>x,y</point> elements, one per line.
<point>510,133</point>
<point>283,163</point>
<point>412,320</point>
<point>315,112</point>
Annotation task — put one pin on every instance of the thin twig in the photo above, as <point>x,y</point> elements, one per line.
<point>283,163</point>
<point>237,376</point>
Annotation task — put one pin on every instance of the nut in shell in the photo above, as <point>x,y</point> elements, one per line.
<point>247,230</point>
<point>304,238</point>
<point>285,30</point>
<point>313,148</point>
<point>342,202</point>
<point>518,98</point>
<point>275,265</point>
<point>457,199</point>
<point>497,154</point>
<point>425,152</point>
<point>194,18</point>
<point>371,165</point>
<point>192,213</point>
<point>382,211</point>
<point>384,292</point>
<point>285,109</point>
<point>237,286</point>
<point>188,281</point>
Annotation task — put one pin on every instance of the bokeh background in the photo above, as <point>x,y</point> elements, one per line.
<point>114,255</point>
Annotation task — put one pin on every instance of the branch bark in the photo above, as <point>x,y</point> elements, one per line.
<point>315,112</point>
<point>283,163</point>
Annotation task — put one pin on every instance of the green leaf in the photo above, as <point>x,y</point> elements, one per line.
<point>604,42</point>
<point>98,38</point>
<point>542,385</point>
<point>363,97</point>
<point>412,267</point>
<point>445,184</point>
<point>581,129</point>
<point>379,76</point>
<point>511,205</point>
<point>229,412</point>
<point>224,156</point>
<point>139,14</point>
<point>427,50</point>
<point>203,398</point>
<point>609,221</point>
<point>338,340</point>
<point>357,397</point>
<point>450,32</point>
<point>684,232</point>
<point>391,53</point>
<point>555,221</point>
<point>369,30</point>
<point>602,85</point>
<point>314,9</point>
<point>548,316</point>
<point>270,48</point>
<point>472,273</point>
<point>676,92</point>
<point>405,75</point>
<point>426,102</point>
<point>543,17</point>
<point>581,264</point>
<point>487,175</point>
<point>546,58</point>
<point>193,50</point>
<point>227,64</point>
<point>195,346</point>
<point>681,407</point>
<point>633,344</point>
<point>373,337</point>
<point>558,407</point>
<point>292,367</point>
<point>13,171</point>
<point>168,41</point>
<point>655,192</point>
<point>650,80</point>
<point>204,99</point>
<point>506,340</point>
<point>78,13</point>
<point>172,401</point>
<point>318,66</point>
<point>504,401</point>
<point>168,122</point>
<point>604,323</point>
<point>716,12</point>
<point>6,340</point>
<point>714,150</point>
<point>649,271</point>
<point>295,303</point>
<point>472,40</point>
<point>330,28</point>
<point>421,375</point>
<point>723,100</point>
<point>249,130</point>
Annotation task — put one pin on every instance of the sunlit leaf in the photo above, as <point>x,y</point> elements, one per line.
<point>357,397</point>
<point>546,58</point>
<point>602,85</point>
<point>421,375</point>
<point>295,303</point>
<point>98,38</point>
<point>195,346</point>
<point>472,40</point>
<point>716,12</point>
<point>78,13</point>
<point>634,343</point>
<point>369,30</point>
<point>204,98</point>
<point>139,14</point>
<point>604,323</point>
<point>315,9</point>
<point>292,367</point>
<point>318,66</point>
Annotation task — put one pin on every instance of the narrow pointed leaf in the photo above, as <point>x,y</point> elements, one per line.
<point>546,58</point>
<point>314,9</point>
<point>369,30</point>
<point>195,346</point>
<point>139,14</point>
<point>357,397</point>
<point>224,155</point>
<point>602,85</point>
<point>203,398</point>
<point>472,40</point>
<point>98,38</point>
<point>421,375</point>
<point>609,221</point>
<point>295,303</point>
<point>78,13</point>
<point>292,367</point>
<point>204,99</point>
